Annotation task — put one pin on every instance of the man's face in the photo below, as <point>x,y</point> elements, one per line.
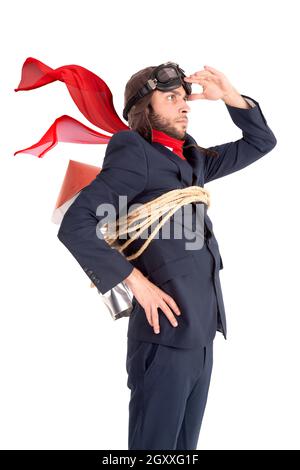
<point>168,109</point>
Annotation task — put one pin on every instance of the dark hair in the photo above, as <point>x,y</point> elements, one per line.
<point>138,115</point>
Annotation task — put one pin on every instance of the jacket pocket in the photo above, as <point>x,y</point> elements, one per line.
<point>151,356</point>
<point>176,267</point>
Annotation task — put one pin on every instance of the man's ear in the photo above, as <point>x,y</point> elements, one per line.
<point>148,110</point>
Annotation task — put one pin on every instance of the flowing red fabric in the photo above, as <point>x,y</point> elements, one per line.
<point>91,95</point>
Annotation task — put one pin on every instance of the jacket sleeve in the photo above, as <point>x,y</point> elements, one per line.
<point>258,140</point>
<point>124,173</point>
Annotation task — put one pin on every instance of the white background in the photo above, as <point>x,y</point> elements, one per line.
<point>63,377</point>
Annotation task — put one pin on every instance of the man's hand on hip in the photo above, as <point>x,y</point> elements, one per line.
<point>151,297</point>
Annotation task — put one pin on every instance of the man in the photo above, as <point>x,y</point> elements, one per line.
<point>177,304</point>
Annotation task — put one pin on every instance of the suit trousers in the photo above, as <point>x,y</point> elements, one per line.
<point>169,388</point>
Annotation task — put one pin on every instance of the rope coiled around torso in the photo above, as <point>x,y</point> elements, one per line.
<point>164,205</point>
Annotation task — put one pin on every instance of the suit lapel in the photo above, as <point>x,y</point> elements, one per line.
<point>189,169</point>
<point>195,159</point>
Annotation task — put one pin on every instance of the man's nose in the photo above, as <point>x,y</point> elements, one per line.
<point>185,108</point>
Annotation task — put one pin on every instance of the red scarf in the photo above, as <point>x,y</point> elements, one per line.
<point>93,98</point>
<point>90,94</point>
<point>165,139</point>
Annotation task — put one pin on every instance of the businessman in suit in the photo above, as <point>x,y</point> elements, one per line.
<point>177,299</point>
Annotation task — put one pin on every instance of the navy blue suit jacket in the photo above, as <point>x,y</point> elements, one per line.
<point>143,171</point>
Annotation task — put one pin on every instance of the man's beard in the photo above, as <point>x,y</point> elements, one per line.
<point>162,124</point>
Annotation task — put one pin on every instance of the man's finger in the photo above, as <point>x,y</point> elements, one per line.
<point>148,315</point>
<point>212,69</point>
<point>169,314</point>
<point>155,322</point>
<point>171,302</point>
<point>196,96</point>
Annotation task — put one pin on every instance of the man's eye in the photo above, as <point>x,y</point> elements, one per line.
<point>171,96</point>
